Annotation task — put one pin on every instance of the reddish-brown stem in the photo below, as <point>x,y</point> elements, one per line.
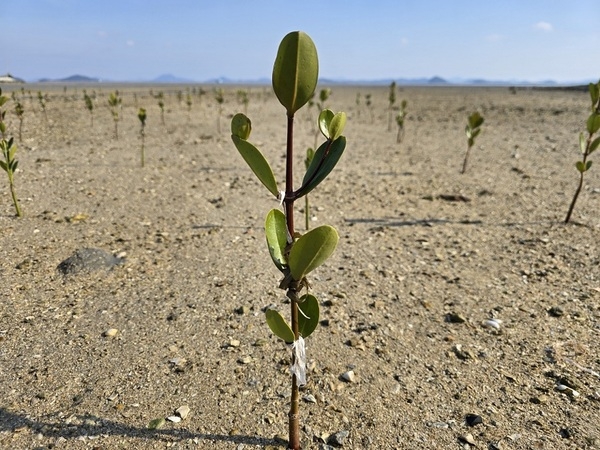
<point>293,415</point>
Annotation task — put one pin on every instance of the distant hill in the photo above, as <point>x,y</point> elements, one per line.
<point>170,78</point>
<point>71,79</point>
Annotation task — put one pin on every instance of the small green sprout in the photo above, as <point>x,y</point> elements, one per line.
<point>472,130</point>
<point>8,163</point>
<point>391,101</point>
<point>142,116</point>
<point>357,102</point>
<point>161,104</point>
<point>369,104</point>
<point>220,99</point>
<point>89,104</point>
<point>20,112</point>
<point>42,101</point>
<point>243,98</point>
<point>188,102</point>
<point>295,74</point>
<point>400,121</point>
<point>587,144</point>
<point>114,102</point>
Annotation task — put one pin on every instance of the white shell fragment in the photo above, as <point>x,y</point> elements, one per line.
<point>349,376</point>
<point>567,390</point>
<point>492,323</point>
<point>183,411</point>
<point>111,332</point>
<point>174,419</point>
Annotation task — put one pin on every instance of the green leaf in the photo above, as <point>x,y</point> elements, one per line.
<point>12,149</point>
<point>594,89</point>
<point>325,117</point>
<point>593,123</point>
<point>594,145</point>
<point>277,232</point>
<point>296,71</point>
<point>14,164</point>
<point>310,154</point>
<point>588,165</point>
<point>475,133</point>
<point>308,317</point>
<point>325,159</point>
<point>582,143</point>
<point>279,326</point>
<point>337,125</point>
<point>580,166</point>
<point>311,250</point>
<point>3,166</point>
<point>475,120</point>
<point>241,126</point>
<point>257,163</point>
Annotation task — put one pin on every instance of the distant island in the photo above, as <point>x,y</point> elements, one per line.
<point>71,79</point>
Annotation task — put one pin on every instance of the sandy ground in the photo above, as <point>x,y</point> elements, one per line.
<point>426,256</point>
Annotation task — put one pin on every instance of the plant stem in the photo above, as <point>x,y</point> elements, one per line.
<point>14,197</point>
<point>293,415</point>
<point>579,186</point>
<point>306,213</point>
<point>464,167</point>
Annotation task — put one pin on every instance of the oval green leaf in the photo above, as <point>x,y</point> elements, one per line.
<point>337,125</point>
<point>325,118</point>
<point>594,145</point>
<point>279,326</point>
<point>295,71</point>
<point>311,250</point>
<point>257,162</point>
<point>580,165</point>
<point>325,159</point>
<point>308,317</point>
<point>276,231</point>
<point>593,123</point>
<point>241,126</point>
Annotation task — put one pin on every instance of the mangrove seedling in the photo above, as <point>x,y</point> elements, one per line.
<point>369,104</point>
<point>142,117</point>
<point>89,104</point>
<point>161,104</point>
<point>400,121</point>
<point>20,112</point>
<point>587,144</point>
<point>391,101</point>
<point>294,80</point>
<point>114,101</point>
<point>8,163</point>
<point>188,102</point>
<point>42,100</point>
<point>243,98</point>
<point>220,99</point>
<point>472,130</point>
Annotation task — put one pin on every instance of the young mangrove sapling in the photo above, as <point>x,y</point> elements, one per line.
<point>8,163</point>
<point>142,117</point>
<point>472,130</point>
<point>294,80</point>
<point>587,144</point>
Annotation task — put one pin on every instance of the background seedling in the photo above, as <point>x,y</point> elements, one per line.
<point>220,99</point>
<point>295,74</point>
<point>369,104</point>
<point>588,144</point>
<point>161,104</point>
<point>400,121</point>
<point>114,101</point>
<point>142,117</point>
<point>8,163</point>
<point>391,101</point>
<point>472,130</point>
<point>188,102</point>
<point>89,104</point>
<point>42,102</point>
<point>243,98</point>
<point>20,112</point>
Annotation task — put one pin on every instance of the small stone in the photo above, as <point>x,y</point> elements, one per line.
<point>454,317</point>
<point>234,343</point>
<point>540,399</point>
<point>492,323</point>
<point>88,260</point>
<point>556,311</point>
<point>242,310</point>
<point>183,411</point>
<point>174,419</point>
<point>468,438</point>
<point>309,398</point>
<point>338,438</point>
<point>111,332</point>
<point>245,360</point>
<point>349,376</point>
<point>473,419</point>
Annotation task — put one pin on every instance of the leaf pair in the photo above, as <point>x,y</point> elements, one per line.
<point>307,253</point>
<point>308,319</point>
<point>332,125</point>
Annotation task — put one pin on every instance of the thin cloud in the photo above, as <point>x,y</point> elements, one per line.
<point>494,37</point>
<point>544,26</point>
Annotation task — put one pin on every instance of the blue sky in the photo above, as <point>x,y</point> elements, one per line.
<point>530,40</point>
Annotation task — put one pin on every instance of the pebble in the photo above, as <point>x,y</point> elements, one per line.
<point>468,438</point>
<point>338,438</point>
<point>455,318</point>
<point>88,260</point>
<point>174,419</point>
<point>568,390</point>
<point>111,332</point>
<point>492,323</point>
<point>473,419</point>
<point>183,411</point>
<point>245,360</point>
<point>556,311</point>
<point>234,343</point>
<point>349,376</point>
<point>540,399</point>
<point>309,398</point>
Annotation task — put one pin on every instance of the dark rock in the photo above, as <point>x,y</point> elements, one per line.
<point>88,260</point>
<point>337,439</point>
<point>473,419</point>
